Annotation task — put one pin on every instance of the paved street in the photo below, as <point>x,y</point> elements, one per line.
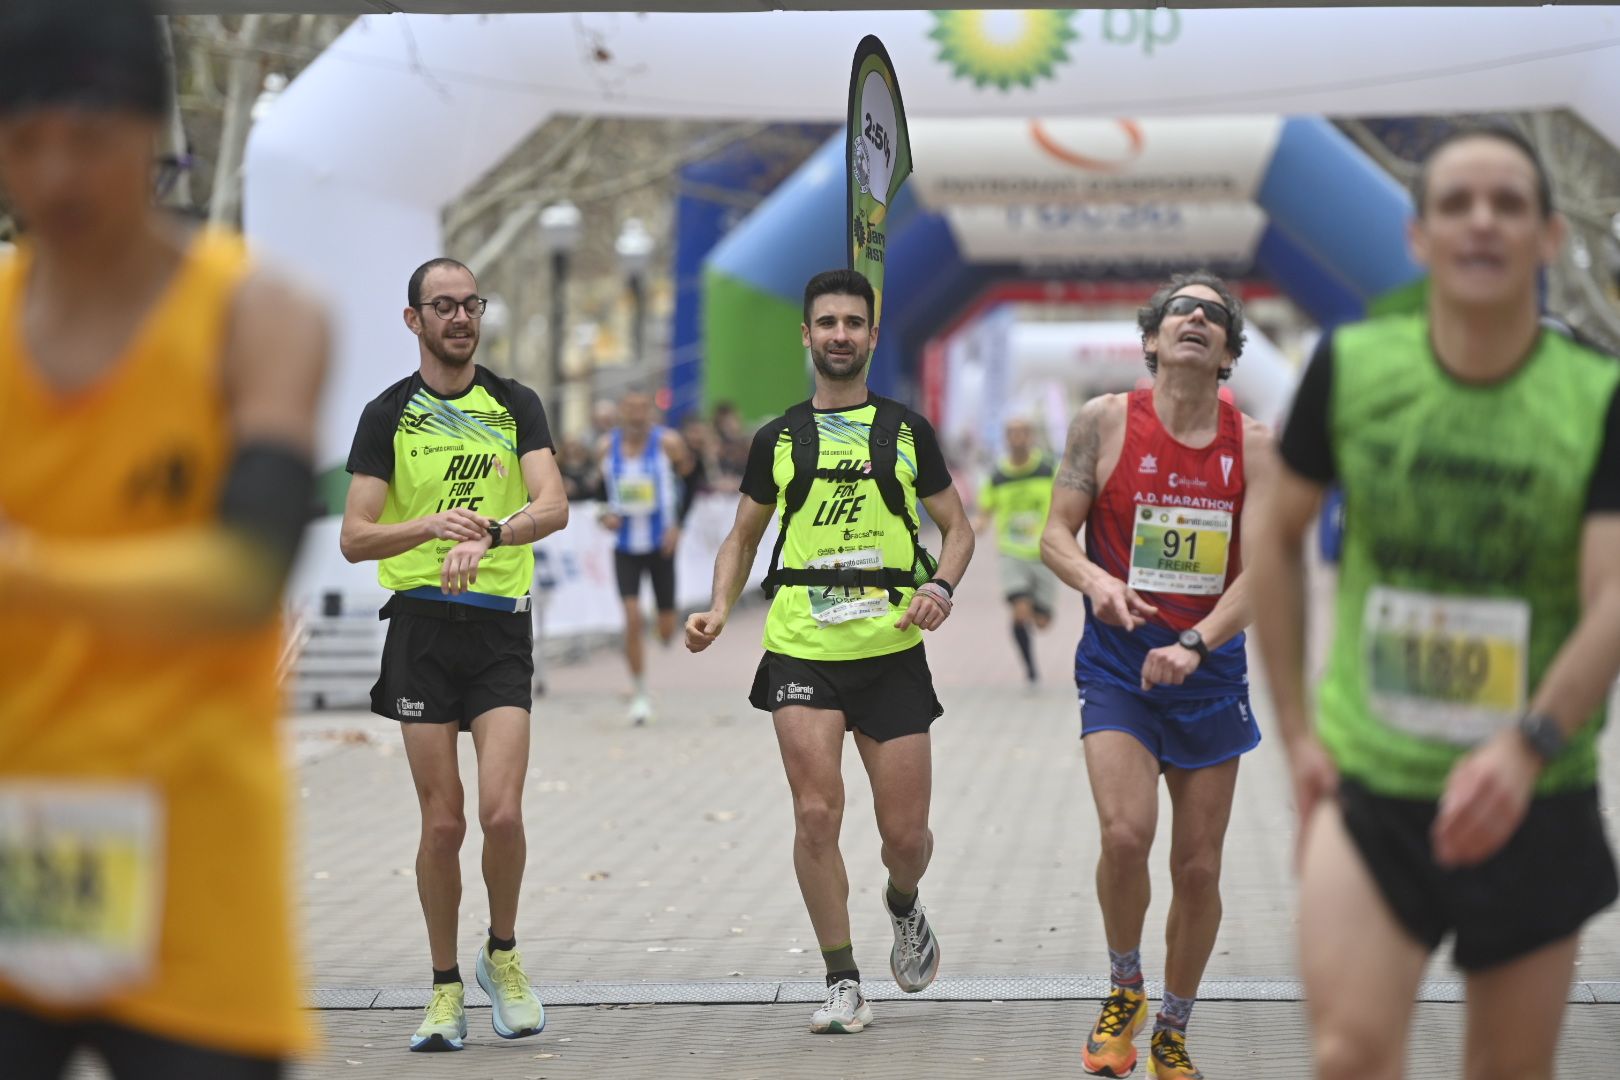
<point>660,870</point>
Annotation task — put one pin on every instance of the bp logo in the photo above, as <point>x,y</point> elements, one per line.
<point>1004,48</point>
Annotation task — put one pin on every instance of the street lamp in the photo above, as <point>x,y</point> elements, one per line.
<point>635,247</point>
<point>274,84</point>
<point>560,233</point>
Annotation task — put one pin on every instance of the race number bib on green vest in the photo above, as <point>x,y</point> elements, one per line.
<point>81,875</point>
<point>1024,528</point>
<point>1446,668</point>
<point>637,495</point>
<point>833,604</point>
<point>1177,550</point>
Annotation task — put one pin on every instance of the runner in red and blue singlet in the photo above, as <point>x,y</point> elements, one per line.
<point>1160,479</point>
<point>1163,501</point>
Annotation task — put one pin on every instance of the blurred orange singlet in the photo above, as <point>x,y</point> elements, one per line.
<point>142,772</point>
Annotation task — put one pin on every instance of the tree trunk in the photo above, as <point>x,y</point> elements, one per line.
<point>240,93</point>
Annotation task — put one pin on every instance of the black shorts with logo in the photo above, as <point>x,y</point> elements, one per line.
<point>40,1047</point>
<point>882,697</point>
<point>1554,874</point>
<point>628,569</point>
<point>451,667</point>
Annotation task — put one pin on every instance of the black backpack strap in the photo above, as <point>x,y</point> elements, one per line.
<point>806,451</point>
<point>885,456</point>
<point>884,446</point>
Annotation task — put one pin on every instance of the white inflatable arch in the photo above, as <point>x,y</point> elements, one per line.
<point>347,174</point>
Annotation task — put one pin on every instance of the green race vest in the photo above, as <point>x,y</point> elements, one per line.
<point>1464,506</point>
<point>1019,496</point>
<point>842,525</point>
<point>450,453</point>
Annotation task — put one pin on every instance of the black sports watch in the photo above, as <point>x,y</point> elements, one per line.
<point>1192,639</point>
<point>1543,735</point>
<point>495,534</point>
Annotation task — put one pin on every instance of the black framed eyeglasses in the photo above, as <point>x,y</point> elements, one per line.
<point>1218,314</point>
<point>445,307</point>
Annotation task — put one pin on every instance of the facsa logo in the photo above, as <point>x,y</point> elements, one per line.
<point>1148,465</point>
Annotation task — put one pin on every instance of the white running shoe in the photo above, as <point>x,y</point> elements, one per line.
<point>641,710</point>
<point>914,960</point>
<point>845,1012</point>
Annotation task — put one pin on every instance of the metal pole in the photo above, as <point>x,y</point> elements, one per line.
<point>638,320</point>
<point>559,327</point>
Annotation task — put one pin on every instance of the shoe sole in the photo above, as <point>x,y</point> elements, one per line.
<point>435,1044</point>
<point>495,1013</point>
<point>835,1028</point>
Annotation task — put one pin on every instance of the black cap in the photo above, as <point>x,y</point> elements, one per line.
<point>106,54</point>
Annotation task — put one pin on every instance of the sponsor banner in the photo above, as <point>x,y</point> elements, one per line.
<point>877,161</point>
<point>1146,232</point>
<point>1067,160</point>
<point>574,568</point>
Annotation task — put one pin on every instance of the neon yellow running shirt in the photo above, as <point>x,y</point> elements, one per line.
<point>439,453</point>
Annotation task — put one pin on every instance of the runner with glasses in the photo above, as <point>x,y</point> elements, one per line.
<point>454,480</point>
<point>1161,479</point>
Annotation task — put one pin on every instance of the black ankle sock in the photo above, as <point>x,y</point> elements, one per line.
<point>451,974</point>
<point>1026,647</point>
<point>501,944</point>
<point>900,903</point>
<point>839,976</point>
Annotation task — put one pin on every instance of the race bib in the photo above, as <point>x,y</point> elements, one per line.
<point>833,604</point>
<point>1024,528</point>
<point>81,875</point>
<point>1177,550</point>
<point>638,495</point>
<point>1446,668</point>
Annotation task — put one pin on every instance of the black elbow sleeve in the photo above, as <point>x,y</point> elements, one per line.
<point>269,497</point>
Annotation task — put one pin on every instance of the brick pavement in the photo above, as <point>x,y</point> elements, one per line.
<point>992,1041</point>
<point>663,854</point>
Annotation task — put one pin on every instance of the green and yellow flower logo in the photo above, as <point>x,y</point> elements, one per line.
<point>1004,48</point>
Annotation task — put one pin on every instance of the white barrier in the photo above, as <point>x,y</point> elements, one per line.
<point>574,568</point>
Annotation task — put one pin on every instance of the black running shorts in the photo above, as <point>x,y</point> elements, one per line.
<point>452,669</point>
<point>656,565</point>
<point>882,697</point>
<point>37,1048</point>
<point>1553,875</point>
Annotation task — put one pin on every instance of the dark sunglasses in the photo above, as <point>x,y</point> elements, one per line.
<point>1186,305</point>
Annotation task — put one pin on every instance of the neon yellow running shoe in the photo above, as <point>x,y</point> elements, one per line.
<point>445,1025</point>
<point>515,1008</point>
